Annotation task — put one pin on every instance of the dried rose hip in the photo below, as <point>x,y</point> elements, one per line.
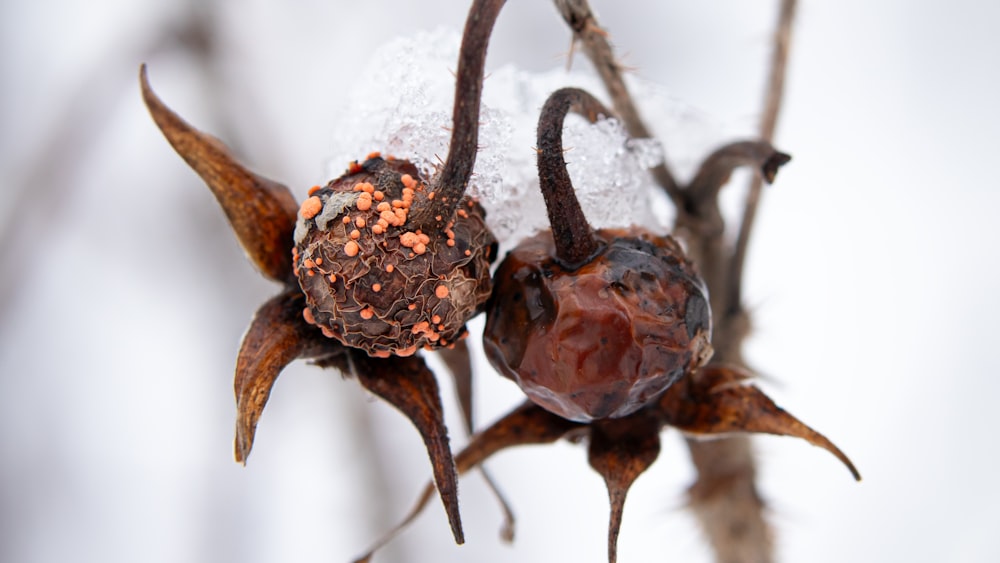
<point>603,339</point>
<point>372,279</point>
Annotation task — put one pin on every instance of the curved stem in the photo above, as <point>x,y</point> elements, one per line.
<point>457,168</point>
<point>574,238</point>
<point>719,166</point>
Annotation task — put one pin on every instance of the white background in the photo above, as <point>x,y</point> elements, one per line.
<point>123,296</point>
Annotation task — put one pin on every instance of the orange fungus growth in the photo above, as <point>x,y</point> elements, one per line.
<point>351,248</point>
<point>311,207</point>
<point>382,275</point>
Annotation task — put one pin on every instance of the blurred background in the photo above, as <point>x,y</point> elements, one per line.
<point>123,295</point>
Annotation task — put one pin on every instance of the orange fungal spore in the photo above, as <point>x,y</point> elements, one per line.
<point>311,207</point>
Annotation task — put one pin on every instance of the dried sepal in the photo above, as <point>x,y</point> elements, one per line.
<point>620,451</point>
<point>717,401</point>
<point>277,335</point>
<point>261,211</point>
<point>408,385</point>
<point>528,424</point>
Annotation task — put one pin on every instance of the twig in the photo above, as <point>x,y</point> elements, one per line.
<point>768,123</point>
<point>725,498</point>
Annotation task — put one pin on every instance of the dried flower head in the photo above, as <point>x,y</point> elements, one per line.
<point>374,266</point>
<point>601,339</point>
<point>375,281</point>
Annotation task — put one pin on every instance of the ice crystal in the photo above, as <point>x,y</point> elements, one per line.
<point>401,103</point>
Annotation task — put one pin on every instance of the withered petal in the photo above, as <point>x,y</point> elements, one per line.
<point>716,169</point>
<point>262,212</point>
<point>525,425</point>
<point>620,450</point>
<point>716,400</point>
<point>457,359</point>
<point>277,335</point>
<point>407,384</point>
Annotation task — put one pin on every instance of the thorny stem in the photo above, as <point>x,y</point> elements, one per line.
<point>574,239</point>
<point>581,20</point>
<point>461,159</point>
<point>768,123</point>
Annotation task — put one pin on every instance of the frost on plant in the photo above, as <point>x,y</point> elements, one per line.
<point>401,103</point>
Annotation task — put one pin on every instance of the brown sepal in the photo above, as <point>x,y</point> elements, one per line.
<point>716,400</point>
<point>407,384</point>
<point>528,424</point>
<point>277,335</point>
<point>262,212</point>
<point>621,449</point>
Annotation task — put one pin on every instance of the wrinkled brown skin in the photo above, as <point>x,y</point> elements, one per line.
<point>339,286</point>
<point>601,340</point>
<point>262,213</point>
